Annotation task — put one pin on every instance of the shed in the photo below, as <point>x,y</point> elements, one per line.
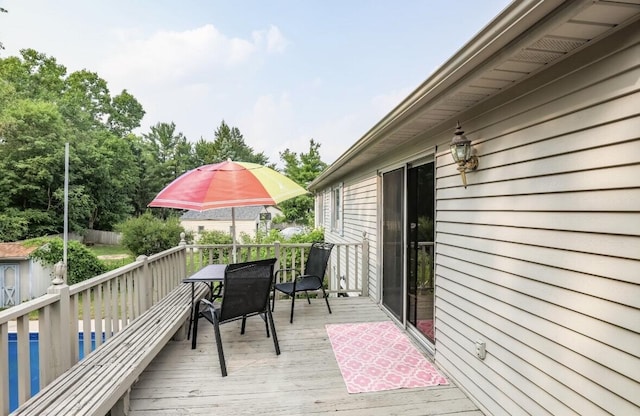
<point>21,278</point>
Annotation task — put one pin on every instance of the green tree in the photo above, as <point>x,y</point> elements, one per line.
<point>302,169</point>
<point>229,144</point>
<point>34,75</point>
<point>31,163</point>
<point>13,225</point>
<point>85,102</point>
<point>170,152</point>
<point>125,114</point>
<point>106,165</point>
<point>40,110</point>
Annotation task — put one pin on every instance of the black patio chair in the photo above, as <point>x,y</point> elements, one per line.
<point>247,287</point>
<point>311,279</point>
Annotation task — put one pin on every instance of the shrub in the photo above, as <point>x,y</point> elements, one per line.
<point>214,237</point>
<point>149,235</point>
<point>82,264</point>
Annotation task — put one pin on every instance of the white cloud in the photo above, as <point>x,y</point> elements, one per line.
<point>269,126</point>
<point>174,56</point>
<point>273,39</point>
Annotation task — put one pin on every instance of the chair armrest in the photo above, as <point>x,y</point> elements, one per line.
<point>295,271</point>
<point>207,302</point>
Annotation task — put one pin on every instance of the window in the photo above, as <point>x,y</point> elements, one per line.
<point>200,228</point>
<point>320,209</point>
<point>336,210</point>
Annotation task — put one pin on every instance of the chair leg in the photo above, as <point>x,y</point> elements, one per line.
<point>293,302</point>
<point>307,295</point>
<point>269,319</point>
<point>266,322</point>
<point>194,319</point>
<point>326,299</point>
<point>216,329</point>
<point>273,299</point>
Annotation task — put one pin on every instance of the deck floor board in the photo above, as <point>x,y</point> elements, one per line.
<point>303,380</point>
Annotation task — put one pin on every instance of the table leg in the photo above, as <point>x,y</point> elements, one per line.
<point>193,296</point>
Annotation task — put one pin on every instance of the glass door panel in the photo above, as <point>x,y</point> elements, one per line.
<point>420,248</point>
<point>393,241</point>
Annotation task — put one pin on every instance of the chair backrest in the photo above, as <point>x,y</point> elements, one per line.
<point>318,258</point>
<point>246,288</point>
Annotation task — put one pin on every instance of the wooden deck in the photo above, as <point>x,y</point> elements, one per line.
<point>303,380</point>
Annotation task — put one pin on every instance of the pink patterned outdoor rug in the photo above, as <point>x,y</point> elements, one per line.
<point>378,356</point>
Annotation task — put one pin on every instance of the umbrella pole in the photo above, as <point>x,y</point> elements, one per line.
<point>233,234</point>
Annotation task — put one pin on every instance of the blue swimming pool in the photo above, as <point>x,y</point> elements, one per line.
<point>35,360</point>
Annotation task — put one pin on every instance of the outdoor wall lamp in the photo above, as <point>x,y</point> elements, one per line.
<point>461,151</point>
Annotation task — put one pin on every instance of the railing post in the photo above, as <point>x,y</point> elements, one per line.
<point>365,264</point>
<point>276,254</point>
<point>183,256</point>
<point>144,284</point>
<point>63,329</point>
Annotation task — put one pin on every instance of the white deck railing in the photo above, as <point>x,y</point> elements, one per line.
<point>105,304</point>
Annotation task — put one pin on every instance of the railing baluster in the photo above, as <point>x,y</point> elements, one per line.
<point>98,316</point>
<point>45,337</point>
<point>4,368</point>
<point>86,322</point>
<point>106,291</point>
<point>24,362</point>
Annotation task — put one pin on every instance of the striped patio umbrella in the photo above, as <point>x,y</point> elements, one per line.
<point>227,184</point>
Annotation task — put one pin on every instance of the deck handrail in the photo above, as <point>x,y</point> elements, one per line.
<point>117,297</point>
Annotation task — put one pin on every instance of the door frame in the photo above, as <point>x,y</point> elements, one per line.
<point>405,165</point>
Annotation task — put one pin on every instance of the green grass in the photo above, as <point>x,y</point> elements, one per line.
<point>104,250</point>
<point>108,250</point>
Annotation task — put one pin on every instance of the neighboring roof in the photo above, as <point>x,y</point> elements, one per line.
<point>224,214</point>
<point>527,37</point>
<point>15,251</point>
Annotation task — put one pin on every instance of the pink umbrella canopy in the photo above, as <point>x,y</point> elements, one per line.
<point>227,184</point>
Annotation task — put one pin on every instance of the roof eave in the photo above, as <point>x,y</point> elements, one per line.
<point>512,22</point>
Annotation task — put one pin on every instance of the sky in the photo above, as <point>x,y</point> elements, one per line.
<point>281,71</point>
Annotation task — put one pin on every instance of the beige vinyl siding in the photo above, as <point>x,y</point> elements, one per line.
<point>540,256</point>
<point>359,215</point>
<point>320,209</point>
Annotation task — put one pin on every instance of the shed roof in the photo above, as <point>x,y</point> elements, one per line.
<point>15,251</point>
<point>524,39</point>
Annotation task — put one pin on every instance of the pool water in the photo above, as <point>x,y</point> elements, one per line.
<point>35,364</point>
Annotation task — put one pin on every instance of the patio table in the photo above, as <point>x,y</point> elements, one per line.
<point>209,275</point>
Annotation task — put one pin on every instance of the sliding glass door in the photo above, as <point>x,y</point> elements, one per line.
<point>408,245</point>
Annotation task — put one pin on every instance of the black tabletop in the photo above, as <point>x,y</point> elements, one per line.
<point>210,273</point>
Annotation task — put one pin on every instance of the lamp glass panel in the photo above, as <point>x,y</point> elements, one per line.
<point>462,151</point>
<point>454,152</point>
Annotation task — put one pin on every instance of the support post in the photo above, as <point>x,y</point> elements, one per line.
<point>365,264</point>
<point>121,408</point>
<point>61,330</point>
<point>145,284</point>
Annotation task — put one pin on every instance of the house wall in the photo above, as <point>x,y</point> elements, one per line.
<point>247,227</point>
<point>539,256</point>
